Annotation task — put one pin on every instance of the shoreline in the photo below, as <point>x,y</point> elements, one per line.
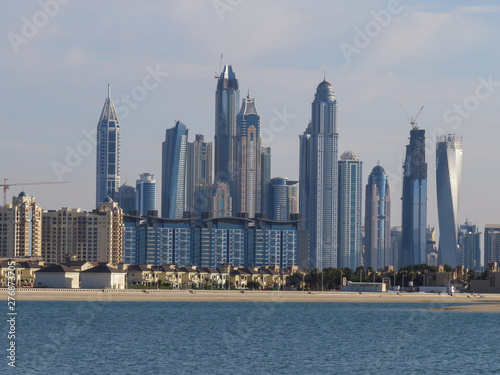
<point>489,302</point>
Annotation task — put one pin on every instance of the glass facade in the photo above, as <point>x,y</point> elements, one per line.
<point>145,194</point>
<point>318,195</point>
<point>350,201</point>
<point>281,198</point>
<point>247,169</point>
<point>378,248</point>
<point>448,183</point>
<point>239,242</point>
<point>198,173</point>
<point>108,153</point>
<point>414,220</point>
<point>173,171</point>
<point>469,242</point>
<point>227,98</point>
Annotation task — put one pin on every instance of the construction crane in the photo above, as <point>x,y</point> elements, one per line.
<point>217,75</point>
<point>412,120</point>
<point>6,186</point>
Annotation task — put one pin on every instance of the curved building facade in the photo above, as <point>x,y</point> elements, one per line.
<point>173,171</point>
<point>145,193</point>
<point>448,183</point>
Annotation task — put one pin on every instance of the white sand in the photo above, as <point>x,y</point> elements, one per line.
<point>257,296</point>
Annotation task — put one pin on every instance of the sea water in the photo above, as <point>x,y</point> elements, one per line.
<point>252,338</point>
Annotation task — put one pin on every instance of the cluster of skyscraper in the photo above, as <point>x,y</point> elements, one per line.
<point>330,189</point>
<point>242,166</point>
<point>236,212</point>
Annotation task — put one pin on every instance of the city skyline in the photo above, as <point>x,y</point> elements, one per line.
<point>379,77</point>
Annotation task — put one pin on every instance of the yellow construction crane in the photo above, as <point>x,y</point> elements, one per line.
<point>6,186</point>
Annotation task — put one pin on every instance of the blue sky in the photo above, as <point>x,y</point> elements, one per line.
<point>434,54</point>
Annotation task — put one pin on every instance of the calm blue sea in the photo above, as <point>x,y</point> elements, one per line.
<point>252,338</point>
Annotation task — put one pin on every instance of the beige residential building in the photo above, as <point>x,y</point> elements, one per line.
<point>95,236</point>
<point>21,227</point>
<point>491,285</point>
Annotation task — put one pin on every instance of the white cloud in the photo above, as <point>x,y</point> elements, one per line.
<point>478,9</point>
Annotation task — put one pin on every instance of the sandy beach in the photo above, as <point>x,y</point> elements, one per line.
<point>486,303</point>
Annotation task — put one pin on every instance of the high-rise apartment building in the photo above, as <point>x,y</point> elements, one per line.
<point>236,241</point>
<point>265,175</point>
<point>227,99</point>
<point>158,241</point>
<point>21,228</point>
<point>282,199</point>
<point>126,198</point>
<point>350,183</point>
<point>221,202</point>
<point>396,237</point>
<point>95,236</point>
<point>491,243</point>
<point>173,171</point>
<point>318,194</point>
<point>247,168</point>
<point>198,172</point>
<point>145,193</point>
<point>378,250</point>
<point>215,199</point>
<point>414,220</point>
<point>108,153</point>
<point>448,182</point>
<point>432,258</point>
<point>469,243</point>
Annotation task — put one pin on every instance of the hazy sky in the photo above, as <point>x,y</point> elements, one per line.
<point>57,57</point>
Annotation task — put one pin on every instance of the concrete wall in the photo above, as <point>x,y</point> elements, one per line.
<point>91,280</point>
<point>57,280</point>
<point>374,287</point>
<point>492,285</point>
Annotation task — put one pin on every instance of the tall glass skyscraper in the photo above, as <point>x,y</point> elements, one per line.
<point>491,244</point>
<point>350,208</point>
<point>108,153</point>
<point>469,243</point>
<point>227,99</point>
<point>126,198</point>
<point>198,172</point>
<point>448,182</point>
<point>265,165</point>
<point>378,247</point>
<point>247,169</point>
<point>413,242</point>
<point>318,195</point>
<point>173,171</point>
<point>145,193</point>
